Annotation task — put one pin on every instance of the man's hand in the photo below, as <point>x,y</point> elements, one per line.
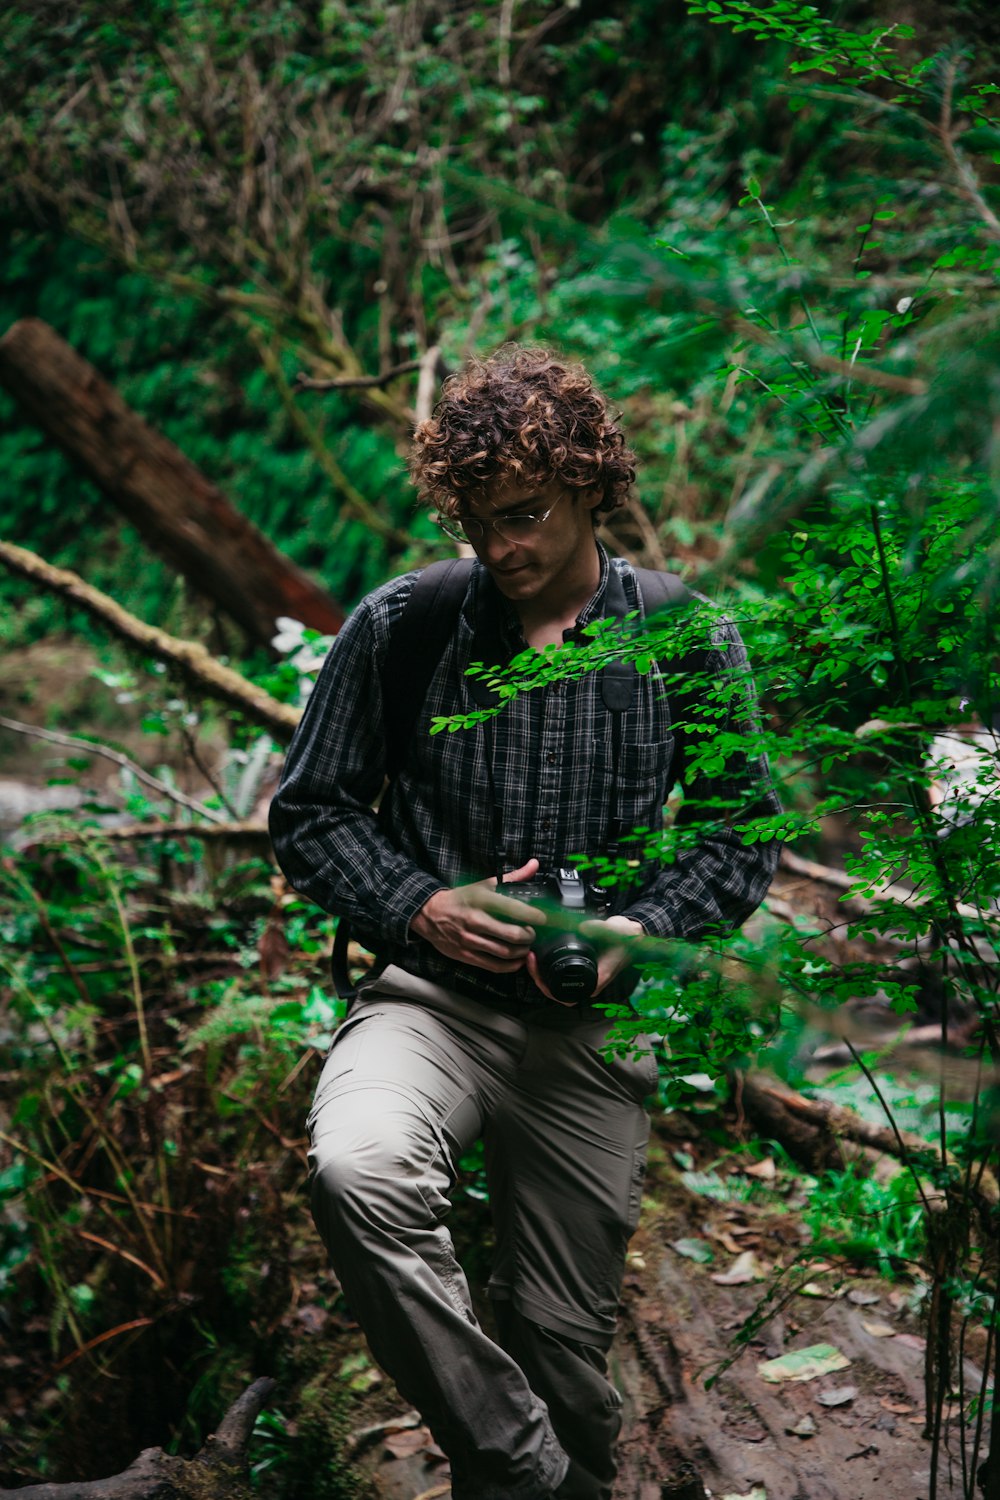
<point>612,956</point>
<point>477,924</point>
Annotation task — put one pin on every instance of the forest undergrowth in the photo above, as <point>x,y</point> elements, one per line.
<point>796,305</point>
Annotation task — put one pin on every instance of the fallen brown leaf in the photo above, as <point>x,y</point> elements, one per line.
<point>764,1170</point>
<point>745,1268</point>
<point>878,1330</point>
<point>404,1444</point>
<point>911,1340</point>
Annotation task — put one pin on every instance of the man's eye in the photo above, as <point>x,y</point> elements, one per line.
<point>522,524</point>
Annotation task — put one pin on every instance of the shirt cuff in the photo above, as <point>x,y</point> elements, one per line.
<point>654,918</point>
<point>406,900</point>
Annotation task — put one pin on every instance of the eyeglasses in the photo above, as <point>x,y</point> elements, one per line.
<point>512,528</point>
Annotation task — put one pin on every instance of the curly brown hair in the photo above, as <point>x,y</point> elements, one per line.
<point>522,416</point>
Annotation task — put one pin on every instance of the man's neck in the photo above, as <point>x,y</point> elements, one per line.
<point>545,618</point>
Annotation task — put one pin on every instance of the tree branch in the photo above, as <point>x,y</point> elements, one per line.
<point>233,1433</point>
<point>769,1099</point>
<point>254,833</point>
<point>189,659</point>
<point>430,368</point>
<point>219,1470</point>
<point>178,510</point>
<point>351,495</point>
<point>860,374</point>
<point>303,382</point>
<point>968,186</point>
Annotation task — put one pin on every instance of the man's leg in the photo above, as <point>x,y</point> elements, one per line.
<point>571,1376</point>
<point>402,1094</point>
<point>566,1154</point>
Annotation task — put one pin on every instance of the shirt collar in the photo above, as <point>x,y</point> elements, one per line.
<point>508,620</point>
<point>594,609</point>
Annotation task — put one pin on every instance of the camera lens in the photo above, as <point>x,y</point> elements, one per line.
<point>568,965</point>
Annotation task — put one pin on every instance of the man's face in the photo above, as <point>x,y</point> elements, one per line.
<point>554,557</point>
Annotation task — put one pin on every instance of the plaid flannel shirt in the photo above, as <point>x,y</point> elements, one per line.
<point>559,788</point>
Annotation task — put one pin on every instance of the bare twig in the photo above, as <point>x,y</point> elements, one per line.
<point>858,374</point>
<point>215,782</point>
<point>503,42</point>
<point>90,747</point>
<point>429,367</point>
<point>351,496</point>
<point>967,184</point>
<point>304,382</point>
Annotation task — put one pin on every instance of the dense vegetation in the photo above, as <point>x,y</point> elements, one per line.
<point>773,235</point>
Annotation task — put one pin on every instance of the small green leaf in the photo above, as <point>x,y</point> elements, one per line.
<point>694,1249</point>
<point>803,1364</point>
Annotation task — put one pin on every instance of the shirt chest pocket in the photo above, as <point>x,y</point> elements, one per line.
<point>628,787</point>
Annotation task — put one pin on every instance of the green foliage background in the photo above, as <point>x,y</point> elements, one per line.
<point>771,230</point>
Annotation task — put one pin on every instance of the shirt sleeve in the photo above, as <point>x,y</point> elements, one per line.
<point>716,880</point>
<point>325,835</point>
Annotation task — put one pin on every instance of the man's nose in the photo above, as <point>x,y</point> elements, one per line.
<point>494,548</point>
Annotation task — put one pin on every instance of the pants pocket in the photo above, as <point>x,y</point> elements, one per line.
<point>635,1190</point>
<point>636,1070</point>
<point>342,1058</point>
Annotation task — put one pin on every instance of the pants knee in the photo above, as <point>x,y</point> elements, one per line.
<point>369,1179</point>
<point>346,1165</point>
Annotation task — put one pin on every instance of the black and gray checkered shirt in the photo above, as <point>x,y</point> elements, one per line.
<point>559,788</point>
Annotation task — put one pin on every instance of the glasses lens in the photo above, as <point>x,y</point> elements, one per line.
<point>455,529</point>
<point>518,528</point>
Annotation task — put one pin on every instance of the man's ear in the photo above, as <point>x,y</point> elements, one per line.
<point>591,498</point>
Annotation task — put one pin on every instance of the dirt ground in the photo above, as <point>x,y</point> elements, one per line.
<point>743,1438</point>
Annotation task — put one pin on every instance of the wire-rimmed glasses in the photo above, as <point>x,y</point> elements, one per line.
<point>517,527</point>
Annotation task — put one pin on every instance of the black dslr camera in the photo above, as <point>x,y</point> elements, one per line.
<point>566,961</point>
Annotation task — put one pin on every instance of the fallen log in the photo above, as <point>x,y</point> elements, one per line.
<point>889,890</point>
<point>811,1129</point>
<point>218,1472</point>
<point>181,514</point>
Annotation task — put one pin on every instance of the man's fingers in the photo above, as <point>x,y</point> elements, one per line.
<point>531,963</point>
<point>515,912</point>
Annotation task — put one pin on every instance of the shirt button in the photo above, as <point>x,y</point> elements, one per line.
<point>546,824</point>
<point>551,758</point>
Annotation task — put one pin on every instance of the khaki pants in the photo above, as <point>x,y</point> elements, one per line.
<point>416,1074</point>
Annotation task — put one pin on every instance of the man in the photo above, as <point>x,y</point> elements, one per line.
<point>455,1034</point>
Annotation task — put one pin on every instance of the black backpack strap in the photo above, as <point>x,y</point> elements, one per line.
<point>662,592</point>
<point>416,645</point>
<point>658,591</point>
